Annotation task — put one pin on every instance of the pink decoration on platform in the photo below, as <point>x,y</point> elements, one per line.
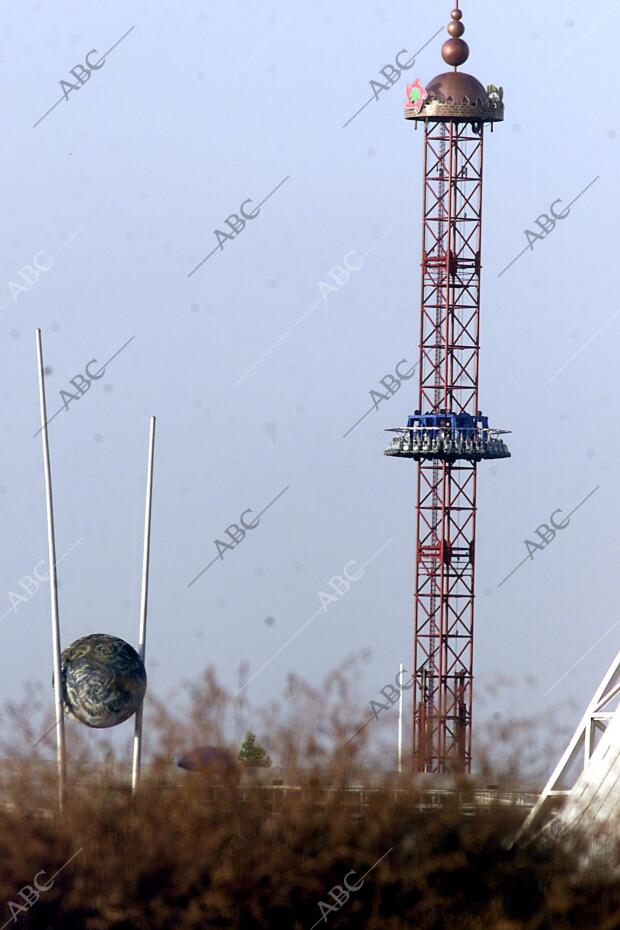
<point>415,95</point>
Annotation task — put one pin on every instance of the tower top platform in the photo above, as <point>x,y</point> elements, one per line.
<point>460,96</point>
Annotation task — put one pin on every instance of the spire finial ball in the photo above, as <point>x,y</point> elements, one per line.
<point>456,14</point>
<point>455,52</point>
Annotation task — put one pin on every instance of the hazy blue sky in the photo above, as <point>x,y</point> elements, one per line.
<point>201,107</point>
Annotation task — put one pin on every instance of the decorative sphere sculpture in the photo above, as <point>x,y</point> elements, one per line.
<point>103,680</point>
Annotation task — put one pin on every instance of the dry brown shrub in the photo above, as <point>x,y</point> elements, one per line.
<point>190,854</point>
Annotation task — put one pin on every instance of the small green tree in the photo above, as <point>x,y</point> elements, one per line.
<point>252,753</point>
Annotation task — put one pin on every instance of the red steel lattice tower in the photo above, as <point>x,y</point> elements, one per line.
<point>447,435</point>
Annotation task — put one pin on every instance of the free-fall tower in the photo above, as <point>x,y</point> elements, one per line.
<point>448,435</point>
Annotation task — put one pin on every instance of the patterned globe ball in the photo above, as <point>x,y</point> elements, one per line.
<point>104,680</point>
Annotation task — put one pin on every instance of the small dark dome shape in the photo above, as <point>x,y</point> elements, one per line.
<point>217,763</point>
<point>104,680</point>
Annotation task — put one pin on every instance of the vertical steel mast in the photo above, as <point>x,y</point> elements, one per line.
<point>447,434</point>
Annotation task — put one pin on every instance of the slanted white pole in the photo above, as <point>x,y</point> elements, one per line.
<point>137,737</point>
<point>51,543</point>
<point>400,722</point>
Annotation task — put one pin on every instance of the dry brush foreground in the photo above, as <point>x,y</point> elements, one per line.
<point>189,855</point>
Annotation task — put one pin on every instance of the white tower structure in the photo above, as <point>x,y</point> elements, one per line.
<point>588,773</point>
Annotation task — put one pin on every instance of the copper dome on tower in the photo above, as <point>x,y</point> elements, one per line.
<point>454,94</point>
